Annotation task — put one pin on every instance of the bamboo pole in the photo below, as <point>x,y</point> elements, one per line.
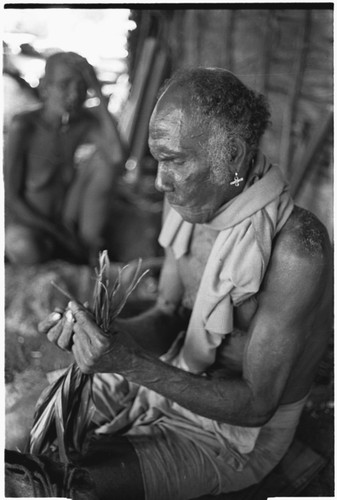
<point>127,121</point>
<point>142,125</point>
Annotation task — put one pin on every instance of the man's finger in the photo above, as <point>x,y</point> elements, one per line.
<point>65,339</point>
<point>54,333</point>
<point>45,325</point>
<point>78,312</point>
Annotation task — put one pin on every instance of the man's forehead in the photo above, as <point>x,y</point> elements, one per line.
<point>174,97</point>
<point>171,113</point>
<point>166,120</point>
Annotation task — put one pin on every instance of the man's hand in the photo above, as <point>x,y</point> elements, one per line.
<point>94,350</point>
<point>86,70</point>
<point>90,77</point>
<point>107,136</point>
<point>58,327</point>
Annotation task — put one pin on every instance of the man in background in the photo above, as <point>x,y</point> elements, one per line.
<point>60,165</point>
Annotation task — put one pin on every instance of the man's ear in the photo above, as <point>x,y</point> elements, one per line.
<point>238,152</point>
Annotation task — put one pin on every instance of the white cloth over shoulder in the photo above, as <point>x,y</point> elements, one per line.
<point>237,263</point>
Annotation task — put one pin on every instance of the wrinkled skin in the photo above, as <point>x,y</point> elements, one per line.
<point>93,350</point>
<point>185,174</point>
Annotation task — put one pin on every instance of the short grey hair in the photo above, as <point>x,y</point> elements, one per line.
<point>220,102</point>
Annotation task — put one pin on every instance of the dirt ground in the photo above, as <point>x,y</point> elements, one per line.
<point>31,361</point>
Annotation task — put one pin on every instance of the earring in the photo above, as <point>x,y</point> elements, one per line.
<point>236,181</point>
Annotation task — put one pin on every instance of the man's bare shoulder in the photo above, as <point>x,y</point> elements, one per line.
<point>302,258</point>
<point>304,235</point>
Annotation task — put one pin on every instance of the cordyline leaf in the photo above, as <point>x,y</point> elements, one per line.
<point>121,295</point>
<point>65,409</point>
<point>43,432</point>
<point>83,414</point>
<point>45,397</point>
<point>59,413</point>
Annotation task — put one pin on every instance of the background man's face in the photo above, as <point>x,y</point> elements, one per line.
<point>185,172</point>
<point>65,89</point>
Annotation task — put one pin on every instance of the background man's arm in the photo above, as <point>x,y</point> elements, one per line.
<point>15,174</point>
<point>106,136</point>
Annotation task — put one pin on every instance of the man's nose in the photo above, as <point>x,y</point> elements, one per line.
<point>73,91</point>
<point>163,182</point>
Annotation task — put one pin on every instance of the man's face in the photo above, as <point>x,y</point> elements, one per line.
<point>65,89</point>
<point>185,172</point>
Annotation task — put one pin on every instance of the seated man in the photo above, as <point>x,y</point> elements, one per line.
<point>202,394</point>
<point>60,164</point>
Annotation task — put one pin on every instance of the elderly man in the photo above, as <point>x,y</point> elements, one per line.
<point>202,394</point>
<point>60,165</point>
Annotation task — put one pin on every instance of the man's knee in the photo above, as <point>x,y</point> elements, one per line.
<point>23,245</point>
<point>32,476</point>
<point>114,467</point>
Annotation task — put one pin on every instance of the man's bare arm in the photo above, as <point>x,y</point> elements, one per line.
<point>277,337</point>
<point>107,136</point>
<point>17,147</point>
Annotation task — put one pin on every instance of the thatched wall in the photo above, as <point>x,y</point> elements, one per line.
<point>285,54</point>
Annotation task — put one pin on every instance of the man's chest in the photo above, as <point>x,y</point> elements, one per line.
<point>50,148</point>
<point>191,269</point>
<point>192,265</point>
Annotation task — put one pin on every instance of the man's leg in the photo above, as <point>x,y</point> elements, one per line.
<point>109,471</point>
<point>114,467</point>
<point>94,213</point>
<point>31,476</point>
<point>24,245</point>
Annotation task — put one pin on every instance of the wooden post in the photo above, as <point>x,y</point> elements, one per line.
<point>229,39</point>
<point>191,43</point>
<point>266,51</point>
<point>294,94</point>
<point>317,142</point>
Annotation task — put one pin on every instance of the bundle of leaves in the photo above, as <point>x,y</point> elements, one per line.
<point>64,410</point>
